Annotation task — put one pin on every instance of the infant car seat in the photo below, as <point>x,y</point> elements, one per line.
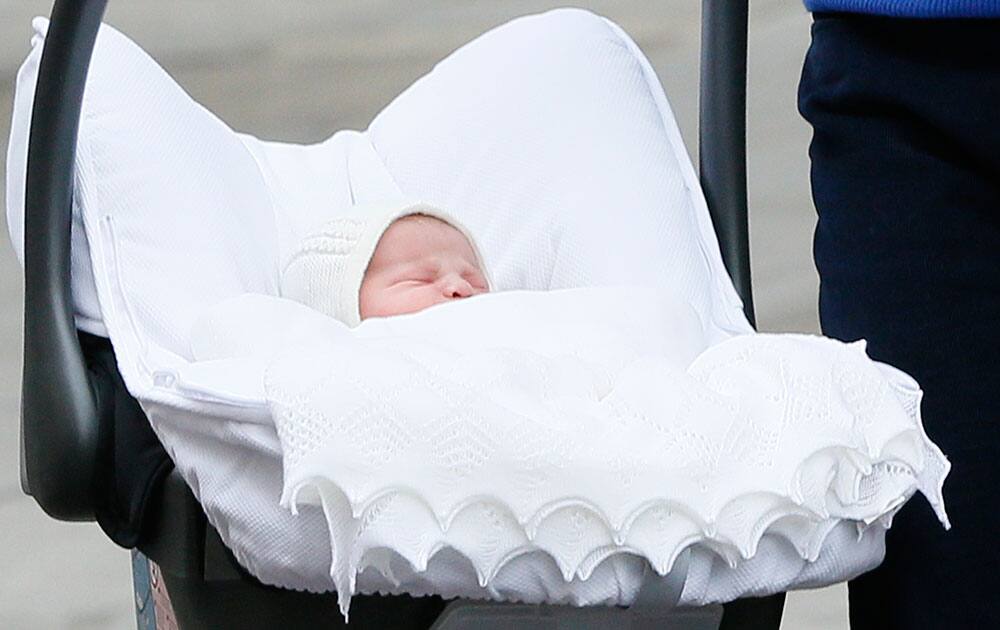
<point>88,452</point>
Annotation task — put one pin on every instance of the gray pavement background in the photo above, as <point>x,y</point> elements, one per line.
<point>299,70</point>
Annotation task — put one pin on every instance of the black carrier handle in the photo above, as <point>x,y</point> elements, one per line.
<point>722,135</point>
<point>60,424</point>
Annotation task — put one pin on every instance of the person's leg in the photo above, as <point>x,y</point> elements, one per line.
<point>906,182</point>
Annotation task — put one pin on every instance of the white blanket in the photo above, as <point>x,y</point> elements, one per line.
<point>583,423</point>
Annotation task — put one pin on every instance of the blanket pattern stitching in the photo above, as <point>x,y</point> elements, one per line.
<point>460,416</point>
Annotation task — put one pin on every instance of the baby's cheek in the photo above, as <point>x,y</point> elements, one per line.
<point>418,299</point>
<point>369,301</point>
<point>389,301</point>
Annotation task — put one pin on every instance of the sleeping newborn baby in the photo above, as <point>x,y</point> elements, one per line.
<point>384,260</point>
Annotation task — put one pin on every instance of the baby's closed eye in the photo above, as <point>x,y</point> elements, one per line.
<point>412,282</point>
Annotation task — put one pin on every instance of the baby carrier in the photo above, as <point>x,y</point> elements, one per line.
<point>89,454</point>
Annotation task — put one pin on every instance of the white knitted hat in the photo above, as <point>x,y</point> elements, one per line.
<point>326,270</point>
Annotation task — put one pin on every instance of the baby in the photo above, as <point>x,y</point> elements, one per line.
<point>384,260</point>
<point>420,261</point>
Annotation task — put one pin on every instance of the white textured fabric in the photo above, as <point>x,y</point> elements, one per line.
<point>548,137</point>
<point>326,270</point>
<point>175,187</point>
<point>87,309</point>
<point>593,422</point>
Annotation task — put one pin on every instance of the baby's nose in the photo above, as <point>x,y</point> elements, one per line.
<point>455,286</point>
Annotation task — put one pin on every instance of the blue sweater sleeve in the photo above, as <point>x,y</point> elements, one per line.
<point>912,8</point>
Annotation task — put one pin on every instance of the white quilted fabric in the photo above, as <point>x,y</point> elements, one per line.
<point>578,430</point>
<point>549,137</point>
<point>552,165</point>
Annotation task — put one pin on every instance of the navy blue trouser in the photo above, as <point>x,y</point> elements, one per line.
<point>906,181</point>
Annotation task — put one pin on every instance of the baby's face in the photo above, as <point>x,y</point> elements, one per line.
<point>420,261</point>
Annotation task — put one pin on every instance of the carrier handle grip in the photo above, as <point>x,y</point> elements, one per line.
<point>59,423</point>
